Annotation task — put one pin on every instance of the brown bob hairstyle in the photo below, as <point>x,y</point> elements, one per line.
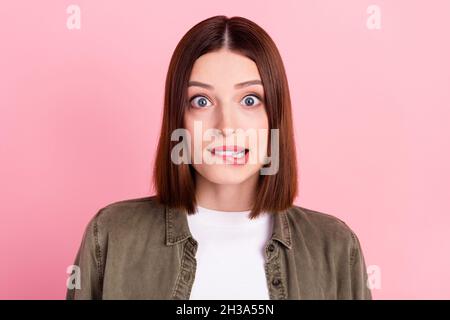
<point>175,183</point>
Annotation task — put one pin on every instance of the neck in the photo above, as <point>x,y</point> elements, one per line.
<point>226,197</point>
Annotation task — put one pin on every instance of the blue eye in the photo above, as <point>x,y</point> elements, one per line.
<point>251,100</point>
<point>201,101</point>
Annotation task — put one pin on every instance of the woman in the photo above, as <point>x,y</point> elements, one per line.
<point>222,224</point>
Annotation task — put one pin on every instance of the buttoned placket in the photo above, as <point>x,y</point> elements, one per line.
<point>177,232</point>
<point>275,275</point>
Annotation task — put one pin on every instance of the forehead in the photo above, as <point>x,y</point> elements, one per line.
<point>224,67</point>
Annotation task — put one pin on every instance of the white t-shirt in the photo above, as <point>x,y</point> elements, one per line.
<point>230,254</point>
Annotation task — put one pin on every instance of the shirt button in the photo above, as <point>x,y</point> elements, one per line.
<point>276,282</point>
<point>271,247</point>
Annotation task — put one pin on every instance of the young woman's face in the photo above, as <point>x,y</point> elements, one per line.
<point>225,93</point>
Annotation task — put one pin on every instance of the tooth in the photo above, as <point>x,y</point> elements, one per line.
<point>237,154</point>
<point>227,152</point>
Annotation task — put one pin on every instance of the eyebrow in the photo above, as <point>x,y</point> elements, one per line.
<point>237,86</point>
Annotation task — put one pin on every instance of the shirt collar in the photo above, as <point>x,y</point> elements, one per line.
<point>177,228</point>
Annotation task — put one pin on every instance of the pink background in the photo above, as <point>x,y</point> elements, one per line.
<point>80,112</point>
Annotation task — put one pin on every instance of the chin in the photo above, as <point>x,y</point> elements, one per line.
<point>227,174</point>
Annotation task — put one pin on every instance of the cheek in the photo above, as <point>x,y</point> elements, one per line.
<point>188,126</point>
<point>258,120</point>
<point>196,129</point>
<point>262,122</point>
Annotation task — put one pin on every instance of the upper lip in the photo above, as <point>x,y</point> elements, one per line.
<point>227,148</point>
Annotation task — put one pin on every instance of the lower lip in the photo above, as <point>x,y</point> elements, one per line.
<point>232,160</point>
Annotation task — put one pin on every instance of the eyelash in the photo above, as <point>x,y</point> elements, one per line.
<point>205,96</point>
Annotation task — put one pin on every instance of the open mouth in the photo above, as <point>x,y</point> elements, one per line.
<point>230,153</point>
<point>233,152</point>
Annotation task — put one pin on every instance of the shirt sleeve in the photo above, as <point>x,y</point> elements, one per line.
<point>88,263</point>
<point>359,278</point>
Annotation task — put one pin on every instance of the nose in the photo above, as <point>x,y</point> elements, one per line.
<point>226,122</point>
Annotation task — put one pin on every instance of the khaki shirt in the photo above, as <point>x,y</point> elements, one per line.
<point>140,249</point>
